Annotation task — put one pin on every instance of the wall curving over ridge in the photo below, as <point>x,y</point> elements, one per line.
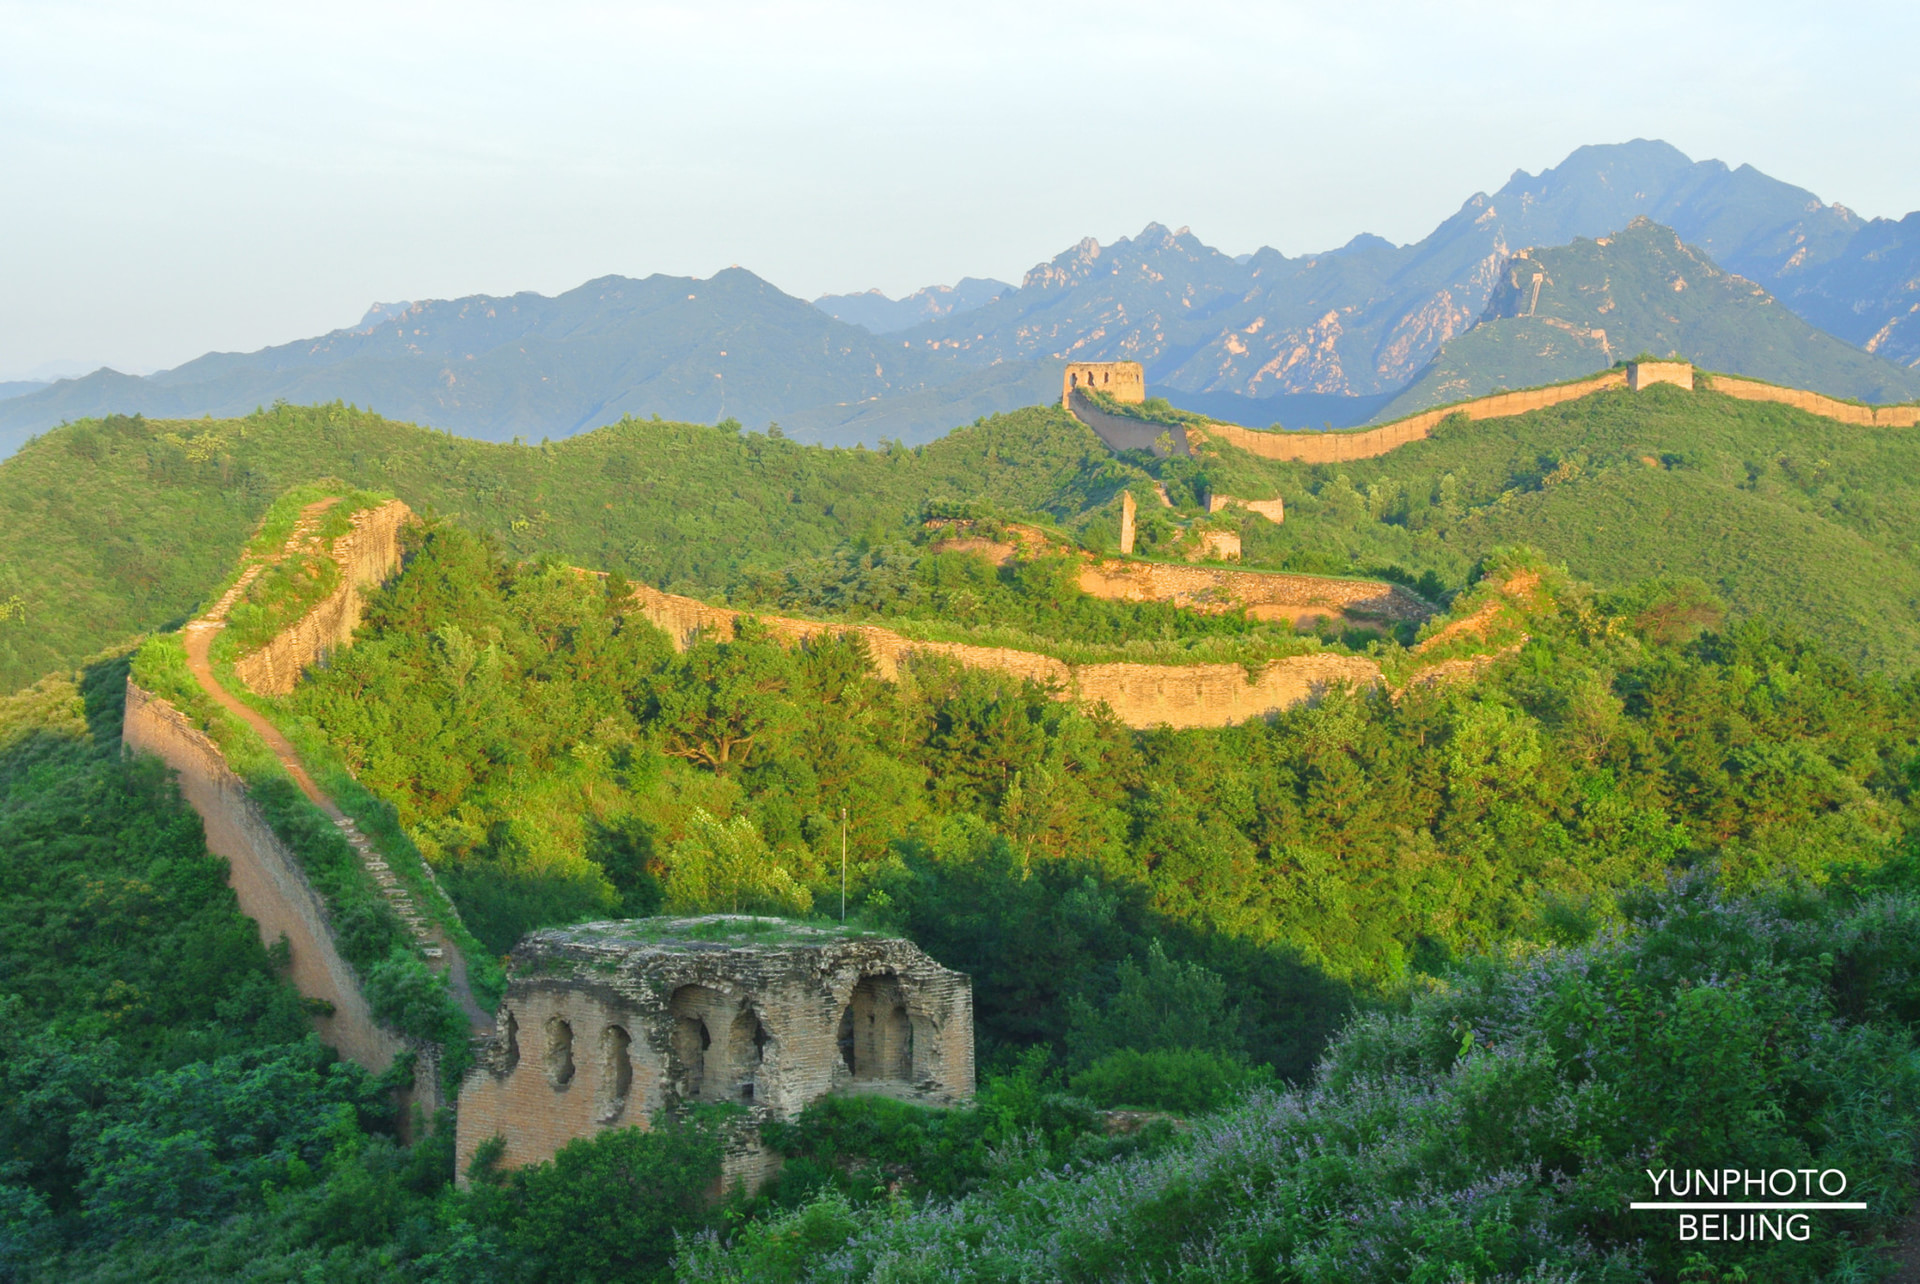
<point>1140,695</point>
<point>1336,447</point>
<point>366,555</point>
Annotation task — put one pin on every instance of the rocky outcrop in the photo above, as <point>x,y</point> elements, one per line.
<point>366,555</point>
<point>272,888</point>
<point>604,1024</point>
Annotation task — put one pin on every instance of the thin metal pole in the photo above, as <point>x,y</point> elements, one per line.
<point>843,864</point>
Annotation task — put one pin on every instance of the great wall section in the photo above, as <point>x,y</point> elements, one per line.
<point>1140,695</point>
<point>266,875</point>
<point>1123,433</point>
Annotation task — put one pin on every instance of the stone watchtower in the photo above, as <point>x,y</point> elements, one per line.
<point>603,1024</point>
<point>1124,381</point>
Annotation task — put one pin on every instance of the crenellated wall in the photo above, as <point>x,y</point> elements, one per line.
<point>366,555</point>
<point>271,887</point>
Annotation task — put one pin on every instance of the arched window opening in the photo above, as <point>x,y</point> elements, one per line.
<point>746,1049</point>
<point>559,1053</point>
<point>701,1066</point>
<point>882,1035</point>
<point>1073,380</point>
<point>616,1072</point>
<point>513,1043</point>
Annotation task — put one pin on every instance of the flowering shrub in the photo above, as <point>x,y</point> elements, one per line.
<point>1495,1130</point>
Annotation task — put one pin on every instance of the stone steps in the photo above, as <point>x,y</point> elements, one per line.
<point>398,897</point>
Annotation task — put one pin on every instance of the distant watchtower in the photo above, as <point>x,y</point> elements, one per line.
<point>1644,374</point>
<point>1124,381</point>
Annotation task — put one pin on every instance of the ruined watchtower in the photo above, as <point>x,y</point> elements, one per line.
<point>1644,374</point>
<point>605,1023</point>
<point>1124,381</point>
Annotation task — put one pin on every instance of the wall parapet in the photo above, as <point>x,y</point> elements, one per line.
<point>273,889</point>
<point>366,554</point>
<point>1140,695</point>
<point>1338,447</point>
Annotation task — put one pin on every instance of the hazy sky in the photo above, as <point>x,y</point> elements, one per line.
<point>176,178</point>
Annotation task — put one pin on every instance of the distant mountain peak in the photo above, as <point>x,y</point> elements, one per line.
<point>380,312</point>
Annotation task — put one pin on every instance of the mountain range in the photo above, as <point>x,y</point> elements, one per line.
<point>1565,312</point>
<point>1261,338</point>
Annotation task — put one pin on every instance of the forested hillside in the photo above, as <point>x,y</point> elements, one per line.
<point>1794,520</point>
<point>125,525</point>
<point>1157,919</point>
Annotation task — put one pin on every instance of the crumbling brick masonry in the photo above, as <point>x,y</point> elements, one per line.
<point>603,1024</point>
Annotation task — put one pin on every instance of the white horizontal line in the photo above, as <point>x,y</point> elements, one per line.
<point>1757,1208</point>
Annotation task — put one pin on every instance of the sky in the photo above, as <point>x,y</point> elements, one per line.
<point>177,178</point>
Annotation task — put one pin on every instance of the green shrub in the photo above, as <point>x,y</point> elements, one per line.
<point>1185,1081</point>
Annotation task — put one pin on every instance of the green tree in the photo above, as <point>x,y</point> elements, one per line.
<point>725,865</point>
<point>609,1207</point>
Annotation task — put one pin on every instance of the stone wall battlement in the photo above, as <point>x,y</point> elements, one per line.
<point>1334,447</point>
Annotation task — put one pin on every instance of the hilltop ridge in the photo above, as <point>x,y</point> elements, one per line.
<point>1558,313</point>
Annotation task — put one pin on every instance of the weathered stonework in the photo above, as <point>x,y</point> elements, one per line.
<point>1334,447</point>
<point>1129,513</point>
<point>1216,546</point>
<point>1815,404</point>
<point>605,1024</point>
<point>1124,381</point>
<point>366,555</point>
<point>1274,510</point>
<point>1123,432</point>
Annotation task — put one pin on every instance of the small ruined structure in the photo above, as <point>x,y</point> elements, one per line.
<point>604,1024</point>
<point>1644,374</point>
<point>1124,381</point>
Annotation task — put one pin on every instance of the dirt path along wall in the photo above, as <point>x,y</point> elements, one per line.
<point>267,879</point>
<point>366,555</point>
